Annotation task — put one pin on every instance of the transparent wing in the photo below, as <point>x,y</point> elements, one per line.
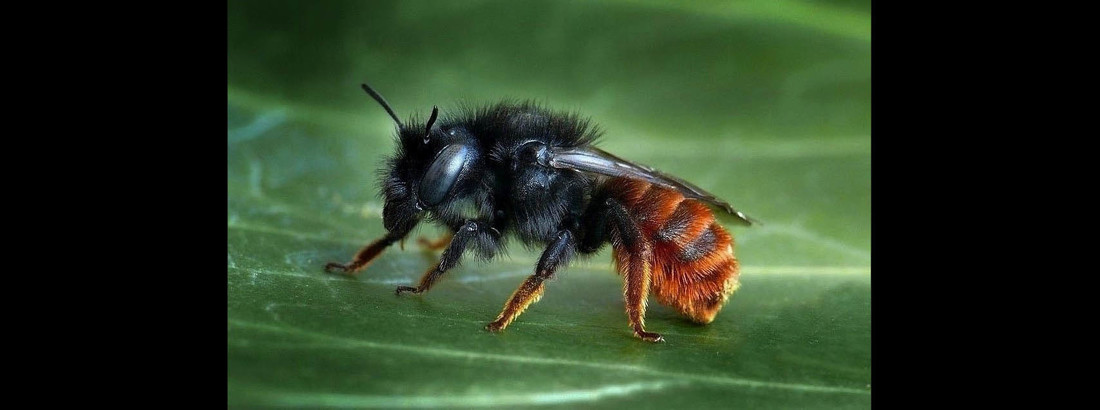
<point>598,161</point>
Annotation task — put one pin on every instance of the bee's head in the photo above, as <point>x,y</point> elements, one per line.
<point>432,166</point>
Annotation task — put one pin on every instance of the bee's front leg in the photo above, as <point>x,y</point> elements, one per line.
<point>472,230</point>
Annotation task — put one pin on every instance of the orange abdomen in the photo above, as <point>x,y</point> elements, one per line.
<point>694,270</point>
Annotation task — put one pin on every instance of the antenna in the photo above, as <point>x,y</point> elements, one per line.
<point>378,97</point>
<point>431,121</point>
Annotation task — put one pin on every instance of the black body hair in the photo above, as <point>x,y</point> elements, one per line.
<point>500,185</point>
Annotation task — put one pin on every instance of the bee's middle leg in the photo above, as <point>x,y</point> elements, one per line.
<point>439,243</point>
<point>530,291</point>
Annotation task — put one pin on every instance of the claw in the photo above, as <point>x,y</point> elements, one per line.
<point>333,267</point>
<point>649,336</point>
<point>401,289</point>
<point>496,327</point>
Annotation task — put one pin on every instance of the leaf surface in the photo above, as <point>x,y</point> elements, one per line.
<point>767,107</point>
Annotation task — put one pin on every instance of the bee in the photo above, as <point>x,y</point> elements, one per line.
<point>520,170</point>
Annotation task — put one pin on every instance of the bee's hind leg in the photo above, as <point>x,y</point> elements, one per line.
<point>634,260</point>
<point>637,274</point>
<point>556,254</point>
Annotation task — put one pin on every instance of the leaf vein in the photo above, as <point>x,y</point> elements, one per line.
<point>467,355</point>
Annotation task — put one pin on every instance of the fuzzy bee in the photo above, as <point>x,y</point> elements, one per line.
<point>520,170</point>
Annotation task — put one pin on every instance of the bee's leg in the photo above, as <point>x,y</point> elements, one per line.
<point>471,230</point>
<point>365,256</point>
<point>634,260</point>
<point>437,244</point>
<point>636,289</point>
<point>556,254</point>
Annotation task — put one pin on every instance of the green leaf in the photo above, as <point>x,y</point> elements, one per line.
<point>765,104</point>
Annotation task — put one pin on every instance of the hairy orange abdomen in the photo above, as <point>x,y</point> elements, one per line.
<point>693,267</point>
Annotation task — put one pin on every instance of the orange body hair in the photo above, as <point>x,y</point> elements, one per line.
<point>691,254</point>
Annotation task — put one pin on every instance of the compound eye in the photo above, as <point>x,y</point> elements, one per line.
<point>443,173</point>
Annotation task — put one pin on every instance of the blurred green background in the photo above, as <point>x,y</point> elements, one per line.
<point>766,104</point>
